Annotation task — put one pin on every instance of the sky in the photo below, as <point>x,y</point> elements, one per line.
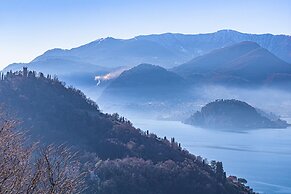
<point>30,27</point>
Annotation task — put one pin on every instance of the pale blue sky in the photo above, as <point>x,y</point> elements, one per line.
<point>30,27</point>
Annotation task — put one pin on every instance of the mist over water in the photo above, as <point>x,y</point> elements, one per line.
<point>269,99</point>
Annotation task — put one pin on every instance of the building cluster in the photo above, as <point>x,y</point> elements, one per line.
<point>24,73</point>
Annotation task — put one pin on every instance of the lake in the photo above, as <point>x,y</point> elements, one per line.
<point>261,156</point>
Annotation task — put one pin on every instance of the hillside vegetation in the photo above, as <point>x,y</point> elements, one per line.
<point>138,161</point>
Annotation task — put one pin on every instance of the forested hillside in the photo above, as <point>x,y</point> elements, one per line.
<point>56,114</point>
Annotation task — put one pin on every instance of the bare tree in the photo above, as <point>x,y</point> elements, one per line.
<point>59,171</point>
<point>28,169</point>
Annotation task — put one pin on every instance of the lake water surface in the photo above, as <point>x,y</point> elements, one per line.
<point>261,156</point>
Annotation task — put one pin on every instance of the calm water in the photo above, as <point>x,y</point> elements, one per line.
<point>262,156</point>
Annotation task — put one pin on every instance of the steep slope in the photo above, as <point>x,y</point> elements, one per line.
<point>233,115</point>
<point>145,82</point>
<point>167,50</point>
<point>56,114</point>
<point>258,65</point>
<point>245,62</point>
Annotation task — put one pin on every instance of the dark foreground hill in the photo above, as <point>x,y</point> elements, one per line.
<point>233,114</point>
<point>56,114</point>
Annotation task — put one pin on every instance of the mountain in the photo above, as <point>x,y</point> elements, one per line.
<point>243,63</point>
<point>167,50</point>
<point>232,115</point>
<point>145,82</point>
<point>133,161</point>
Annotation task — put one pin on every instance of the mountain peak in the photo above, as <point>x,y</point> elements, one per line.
<point>244,62</point>
<point>147,66</point>
<point>144,82</point>
<point>227,31</point>
<point>104,39</point>
<point>56,52</point>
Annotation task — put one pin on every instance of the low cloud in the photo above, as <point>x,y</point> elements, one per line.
<point>109,76</point>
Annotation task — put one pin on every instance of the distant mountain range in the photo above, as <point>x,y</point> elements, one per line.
<point>244,63</point>
<point>166,50</point>
<point>233,115</point>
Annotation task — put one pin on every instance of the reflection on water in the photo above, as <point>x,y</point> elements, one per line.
<point>262,156</point>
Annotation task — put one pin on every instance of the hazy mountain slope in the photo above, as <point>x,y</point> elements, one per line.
<point>61,66</point>
<point>166,50</point>
<point>116,52</point>
<point>258,65</point>
<point>216,60</point>
<point>56,114</point>
<point>242,63</point>
<point>145,82</point>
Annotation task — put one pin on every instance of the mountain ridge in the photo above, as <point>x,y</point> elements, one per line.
<point>167,50</point>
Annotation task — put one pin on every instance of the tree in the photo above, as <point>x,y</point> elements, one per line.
<point>59,171</point>
<point>213,165</point>
<point>115,116</point>
<point>26,169</point>
<point>220,172</point>
<point>41,75</point>
<point>242,180</point>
